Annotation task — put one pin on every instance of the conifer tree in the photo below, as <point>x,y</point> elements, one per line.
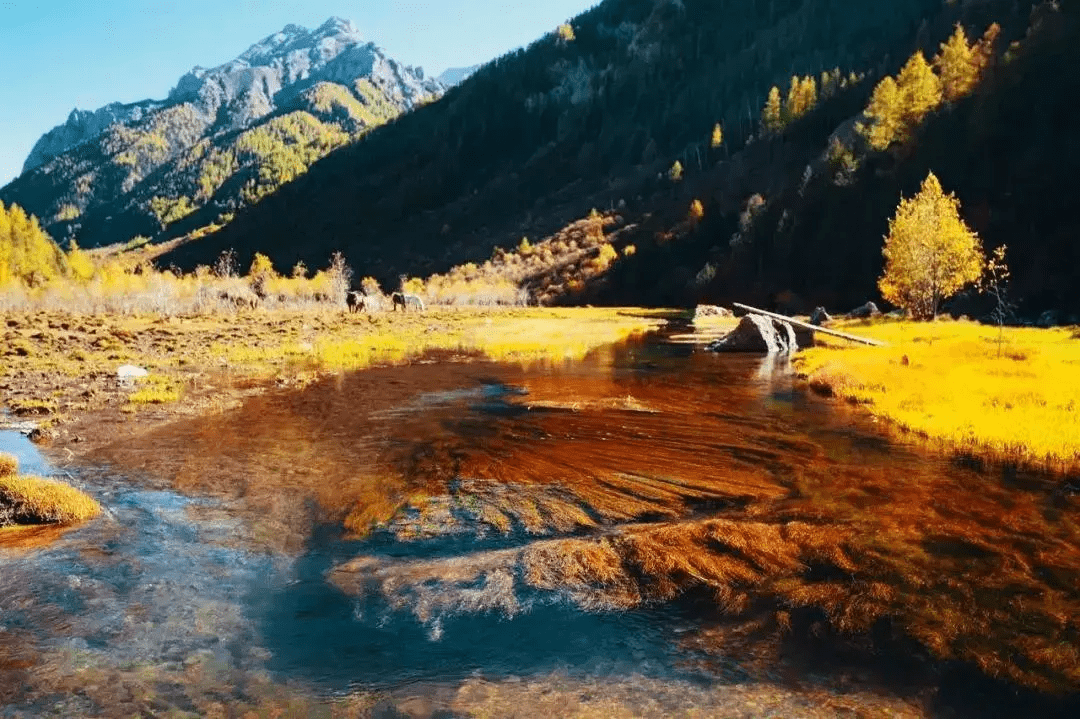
<point>984,49</point>
<point>957,66</point>
<point>80,266</point>
<point>772,120</point>
<point>930,254</point>
<point>920,89</point>
<point>885,115</point>
<point>676,171</point>
<point>808,95</point>
<point>791,105</point>
<point>717,137</point>
<point>27,253</point>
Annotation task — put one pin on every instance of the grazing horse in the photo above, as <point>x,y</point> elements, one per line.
<point>356,301</point>
<point>405,300</point>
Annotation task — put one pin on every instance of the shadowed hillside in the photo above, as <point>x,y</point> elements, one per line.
<point>578,119</point>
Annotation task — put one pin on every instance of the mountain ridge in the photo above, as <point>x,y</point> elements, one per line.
<point>94,168</point>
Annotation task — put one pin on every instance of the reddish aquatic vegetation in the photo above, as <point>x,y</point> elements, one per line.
<point>675,477</point>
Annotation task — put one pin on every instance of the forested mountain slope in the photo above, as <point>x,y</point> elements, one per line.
<point>788,225</point>
<point>585,116</point>
<point>223,138</point>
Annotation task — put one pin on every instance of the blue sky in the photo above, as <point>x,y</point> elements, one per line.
<point>61,54</point>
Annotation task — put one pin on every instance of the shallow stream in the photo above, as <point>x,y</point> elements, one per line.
<point>652,531</point>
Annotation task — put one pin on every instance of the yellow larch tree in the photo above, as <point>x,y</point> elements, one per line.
<point>808,94</point>
<point>772,116</point>
<point>930,254</point>
<point>920,89</point>
<point>957,66</point>
<point>27,253</point>
<point>885,114</point>
<point>717,137</point>
<point>985,47</point>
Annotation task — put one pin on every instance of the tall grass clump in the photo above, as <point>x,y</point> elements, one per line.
<point>35,500</point>
<point>9,464</point>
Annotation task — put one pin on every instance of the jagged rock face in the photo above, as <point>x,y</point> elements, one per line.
<point>263,78</point>
<point>454,75</point>
<point>273,71</point>
<point>81,126</point>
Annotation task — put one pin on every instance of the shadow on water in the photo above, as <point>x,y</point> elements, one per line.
<point>314,630</point>
<point>654,516</point>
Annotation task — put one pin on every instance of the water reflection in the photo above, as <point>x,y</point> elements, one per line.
<point>422,536</point>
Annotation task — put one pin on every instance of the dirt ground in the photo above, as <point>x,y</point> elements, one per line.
<point>58,370</point>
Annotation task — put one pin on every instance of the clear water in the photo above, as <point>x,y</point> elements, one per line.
<point>211,586</point>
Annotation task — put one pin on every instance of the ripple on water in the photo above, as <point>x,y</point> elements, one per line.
<point>653,531</point>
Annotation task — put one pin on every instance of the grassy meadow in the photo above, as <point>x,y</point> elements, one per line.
<point>1010,394</point>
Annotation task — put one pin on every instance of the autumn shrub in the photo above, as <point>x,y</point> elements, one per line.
<point>9,464</point>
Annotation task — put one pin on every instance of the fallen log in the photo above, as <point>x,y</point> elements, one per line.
<point>808,326</point>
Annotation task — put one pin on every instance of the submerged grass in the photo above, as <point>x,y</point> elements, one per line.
<point>1013,395</point>
<point>35,500</point>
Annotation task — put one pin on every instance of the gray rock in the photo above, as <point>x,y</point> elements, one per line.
<point>711,311</point>
<point>128,373</point>
<point>757,333</point>
<point>41,435</point>
<point>867,310</point>
<point>819,316</point>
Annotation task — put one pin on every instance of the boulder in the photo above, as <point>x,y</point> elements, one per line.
<point>819,316</point>
<point>41,435</point>
<point>757,333</point>
<point>867,310</point>
<point>128,373</point>
<point>711,311</point>
<point>1049,318</point>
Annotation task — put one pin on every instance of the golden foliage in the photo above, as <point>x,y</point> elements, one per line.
<point>27,254</point>
<point>920,89</point>
<point>717,138</point>
<point>930,254</point>
<point>885,114</point>
<point>45,501</point>
<point>957,65</point>
<point>80,267</point>
<point>565,32</point>
<point>9,464</point>
<point>604,257</point>
<point>675,173</point>
<point>772,119</point>
<point>697,210</point>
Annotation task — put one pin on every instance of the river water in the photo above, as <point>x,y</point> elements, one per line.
<point>651,531</point>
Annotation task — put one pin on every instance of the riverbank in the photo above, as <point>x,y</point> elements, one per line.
<point>1009,395</point>
<point>58,370</point>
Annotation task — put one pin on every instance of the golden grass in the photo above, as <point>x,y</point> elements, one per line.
<point>155,389</point>
<point>44,501</point>
<point>9,464</point>
<point>946,381</point>
<point>502,335</point>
